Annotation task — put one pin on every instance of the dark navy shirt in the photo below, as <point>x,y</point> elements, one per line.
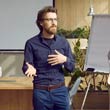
<point>36,53</point>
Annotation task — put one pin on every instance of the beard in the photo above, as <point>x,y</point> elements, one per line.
<point>51,30</point>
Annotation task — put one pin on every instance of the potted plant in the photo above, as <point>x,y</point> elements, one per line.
<point>80,32</point>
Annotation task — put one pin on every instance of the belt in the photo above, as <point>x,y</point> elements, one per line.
<point>48,88</point>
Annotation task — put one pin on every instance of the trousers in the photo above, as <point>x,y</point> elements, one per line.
<point>56,99</point>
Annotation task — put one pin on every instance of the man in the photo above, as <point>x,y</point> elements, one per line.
<point>44,56</point>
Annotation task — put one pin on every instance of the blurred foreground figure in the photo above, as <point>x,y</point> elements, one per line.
<point>108,79</point>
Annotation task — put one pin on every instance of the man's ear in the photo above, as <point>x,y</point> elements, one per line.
<point>41,23</point>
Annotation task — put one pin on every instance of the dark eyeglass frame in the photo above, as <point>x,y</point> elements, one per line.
<point>50,19</point>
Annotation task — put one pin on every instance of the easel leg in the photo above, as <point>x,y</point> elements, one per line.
<point>85,97</point>
<point>83,103</point>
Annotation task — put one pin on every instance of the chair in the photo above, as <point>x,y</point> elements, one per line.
<point>73,90</point>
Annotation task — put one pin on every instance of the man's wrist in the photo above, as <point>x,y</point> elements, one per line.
<point>65,59</point>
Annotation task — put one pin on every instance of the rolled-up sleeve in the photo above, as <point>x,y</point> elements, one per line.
<point>70,63</point>
<point>28,56</point>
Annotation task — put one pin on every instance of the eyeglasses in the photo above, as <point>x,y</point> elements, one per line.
<point>50,19</point>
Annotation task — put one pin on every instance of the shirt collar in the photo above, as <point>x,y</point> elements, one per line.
<point>41,37</point>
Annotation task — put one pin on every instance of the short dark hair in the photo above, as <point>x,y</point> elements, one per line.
<point>42,13</point>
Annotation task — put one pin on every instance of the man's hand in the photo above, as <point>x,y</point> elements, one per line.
<point>57,58</point>
<point>31,71</point>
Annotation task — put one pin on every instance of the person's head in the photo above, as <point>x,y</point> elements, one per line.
<point>47,20</point>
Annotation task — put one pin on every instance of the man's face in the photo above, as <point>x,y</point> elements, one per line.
<point>49,23</point>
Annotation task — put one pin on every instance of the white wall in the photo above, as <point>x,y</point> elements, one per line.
<point>17,21</point>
